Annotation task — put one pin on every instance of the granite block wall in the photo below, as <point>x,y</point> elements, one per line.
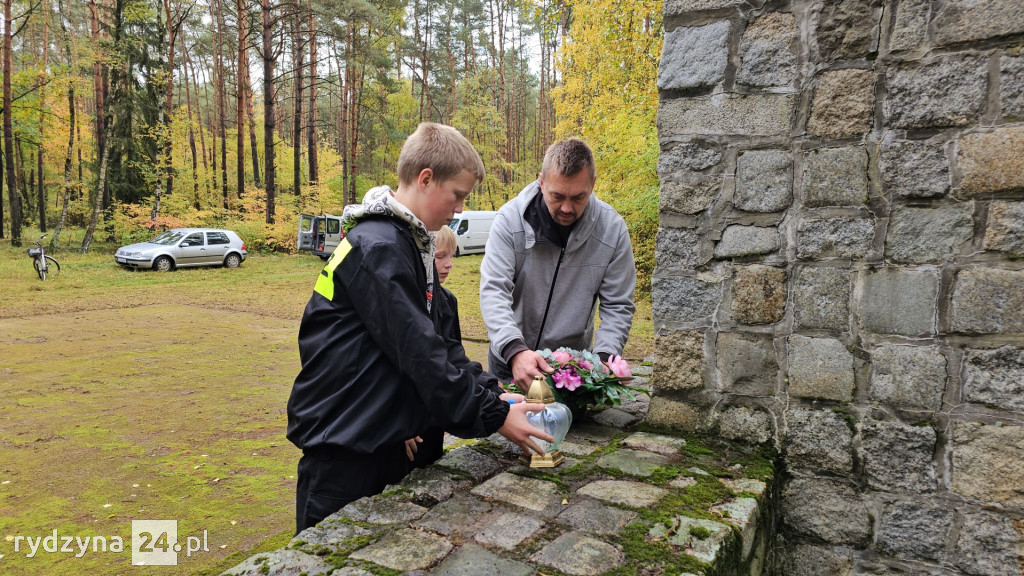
<point>841,269</point>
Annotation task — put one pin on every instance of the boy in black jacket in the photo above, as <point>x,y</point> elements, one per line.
<point>376,369</point>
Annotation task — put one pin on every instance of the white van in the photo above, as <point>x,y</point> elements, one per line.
<point>472,228</point>
<point>320,234</point>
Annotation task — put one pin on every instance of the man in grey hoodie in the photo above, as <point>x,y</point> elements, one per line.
<point>556,254</point>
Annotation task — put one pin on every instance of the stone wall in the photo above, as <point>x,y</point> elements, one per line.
<point>839,268</point>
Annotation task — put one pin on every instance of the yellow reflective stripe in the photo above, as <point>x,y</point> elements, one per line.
<point>325,281</point>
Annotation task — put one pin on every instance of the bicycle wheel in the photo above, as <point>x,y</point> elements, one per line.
<point>53,266</point>
<point>40,269</point>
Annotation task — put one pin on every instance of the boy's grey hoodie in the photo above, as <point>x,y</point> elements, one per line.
<point>597,269</point>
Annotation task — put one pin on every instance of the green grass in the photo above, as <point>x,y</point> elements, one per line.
<point>142,395</point>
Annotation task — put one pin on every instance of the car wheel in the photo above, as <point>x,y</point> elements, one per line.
<point>457,252</point>
<point>232,261</point>
<point>163,264</point>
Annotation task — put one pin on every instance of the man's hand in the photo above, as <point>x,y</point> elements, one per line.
<point>515,398</point>
<point>526,365</point>
<point>411,447</point>
<point>518,430</point>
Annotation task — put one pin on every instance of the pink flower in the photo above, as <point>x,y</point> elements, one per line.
<point>619,367</point>
<point>561,378</point>
<point>561,356</point>
<point>586,365</point>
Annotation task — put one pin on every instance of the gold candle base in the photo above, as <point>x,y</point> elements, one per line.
<point>548,460</point>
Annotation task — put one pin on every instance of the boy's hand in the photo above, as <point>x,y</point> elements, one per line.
<point>518,430</point>
<point>411,447</point>
<point>515,398</point>
<point>526,365</point>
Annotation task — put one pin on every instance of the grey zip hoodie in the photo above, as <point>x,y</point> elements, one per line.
<point>596,272</point>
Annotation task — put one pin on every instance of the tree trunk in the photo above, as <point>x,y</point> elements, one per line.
<point>268,105</point>
<point>172,31</point>
<point>12,185</point>
<point>346,161</point>
<point>199,117</point>
<point>66,192</point>
<point>252,130</point>
<point>41,188</point>
<point>191,132</point>
<point>298,53</point>
<point>97,202</point>
<point>99,86</point>
<point>221,97</point>
<point>242,70</point>
<point>311,144</point>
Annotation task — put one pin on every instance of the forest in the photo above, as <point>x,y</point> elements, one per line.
<point>123,117</point>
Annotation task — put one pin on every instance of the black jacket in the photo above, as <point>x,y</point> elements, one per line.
<point>376,369</point>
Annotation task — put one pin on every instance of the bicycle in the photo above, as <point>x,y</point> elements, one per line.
<point>43,263</point>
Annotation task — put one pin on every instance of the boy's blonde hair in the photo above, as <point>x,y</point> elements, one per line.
<point>446,240</point>
<point>441,148</point>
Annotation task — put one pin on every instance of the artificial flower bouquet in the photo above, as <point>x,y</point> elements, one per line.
<point>580,379</point>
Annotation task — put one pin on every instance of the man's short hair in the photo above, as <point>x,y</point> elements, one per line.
<point>568,158</point>
<point>441,148</point>
<point>446,240</point>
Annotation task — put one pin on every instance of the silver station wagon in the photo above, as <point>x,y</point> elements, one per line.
<point>181,247</point>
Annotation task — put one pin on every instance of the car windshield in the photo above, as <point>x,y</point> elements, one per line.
<point>169,237</point>
<point>454,224</point>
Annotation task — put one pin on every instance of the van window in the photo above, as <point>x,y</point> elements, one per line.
<point>333,226</point>
<point>463,226</point>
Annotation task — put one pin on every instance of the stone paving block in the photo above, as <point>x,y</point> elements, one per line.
<point>678,359</point>
<point>633,462</point>
<point>835,177</point>
<point>507,448</point>
<point>577,449</point>
<point>995,377</point>
<point>462,515</point>
<point>914,169</point>
<point>911,24</point>
<point>747,364</point>
<point>827,238</point>
<point>686,157</point>
<point>988,545</point>
<point>676,7</point>
<point>819,440</point>
<point>683,482</point>
<point>405,549</point>
<point>615,418</point>
<point>743,513</point>
<point>848,28</point>
<point>908,377</point>
<point>686,534</point>
<point>579,554</point>
<point>467,460</point>
<point>741,115</point>
<point>1005,230</point>
<point>988,300</point>
<point>747,241</point>
<point>964,20</point>
<point>946,91</point>
<point>639,405</point>
<point>898,457</point>
<point>679,249</point>
<point>530,493</point>
<point>596,518</point>
<point>921,235</point>
<point>825,509</point>
<point>766,56</point>
<point>474,560</point>
<point>821,298</point>
<point>694,56</point>
<point>759,294</point>
<point>328,534</point>
<point>509,530</point>
<point>751,426</point>
<point>684,299</point>
<point>988,464</point>
<point>627,493</point>
<point>280,563</point>
<point>763,181</point>
<point>984,164</point>
<point>592,433</point>
<point>689,197</point>
<point>912,531</point>
<point>381,511</point>
<point>899,301</point>
<point>820,368</point>
<point>748,485</point>
<point>1011,85</point>
<point>429,485</point>
<point>843,104</point>
<point>666,445</point>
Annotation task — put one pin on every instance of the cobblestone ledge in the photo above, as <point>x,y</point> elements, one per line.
<point>623,502</point>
